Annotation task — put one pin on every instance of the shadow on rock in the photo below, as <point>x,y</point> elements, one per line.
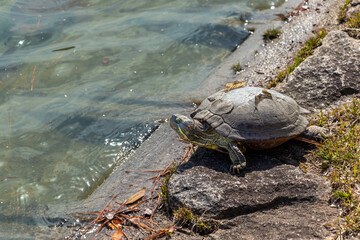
<point>292,152</point>
<point>204,184</point>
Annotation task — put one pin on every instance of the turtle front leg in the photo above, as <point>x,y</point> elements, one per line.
<point>236,156</point>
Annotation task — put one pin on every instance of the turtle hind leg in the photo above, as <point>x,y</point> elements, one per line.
<point>237,157</point>
<point>315,133</point>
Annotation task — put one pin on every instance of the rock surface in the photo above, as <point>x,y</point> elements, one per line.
<point>333,72</point>
<point>284,222</point>
<point>269,195</point>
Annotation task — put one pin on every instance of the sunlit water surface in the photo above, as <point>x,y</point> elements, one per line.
<point>68,117</point>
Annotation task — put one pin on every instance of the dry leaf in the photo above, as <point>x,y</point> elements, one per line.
<point>234,85</point>
<point>140,194</point>
<point>118,234</point>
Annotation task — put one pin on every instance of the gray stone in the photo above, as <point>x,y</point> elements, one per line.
<point>330,74</point>
<point>285,222</point>
<point>355,3</point>
<point>212,192</point>
<point>271,199</point>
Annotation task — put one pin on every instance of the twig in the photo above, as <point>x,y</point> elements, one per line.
<point>102,211</point>
<point>161,232</point>
<point>126,235</point>
<point>102,225</point>
<point>32,79</point>
<point>9,120</point>
<point>157,204</point>
<point>167,168</point>
<point>60,56</point>
<point>38,23</point>
<point>145,171</point>
<point>157,178</point>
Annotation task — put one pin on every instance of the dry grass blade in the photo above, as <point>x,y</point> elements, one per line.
<point>137,196</point>
<point>308,141</point>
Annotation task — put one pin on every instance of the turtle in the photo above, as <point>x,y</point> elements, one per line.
<point>240,119</point>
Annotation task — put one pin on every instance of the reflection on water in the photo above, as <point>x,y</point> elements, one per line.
<point>67,118</point>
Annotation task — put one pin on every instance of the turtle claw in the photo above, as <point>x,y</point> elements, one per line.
<point>236,168</point>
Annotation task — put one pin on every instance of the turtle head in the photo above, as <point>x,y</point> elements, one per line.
<point>187,128</point>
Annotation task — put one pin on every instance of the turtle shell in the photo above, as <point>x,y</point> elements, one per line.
<point>259,118</point>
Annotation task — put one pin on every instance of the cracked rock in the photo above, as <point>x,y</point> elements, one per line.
<point>330,74</point>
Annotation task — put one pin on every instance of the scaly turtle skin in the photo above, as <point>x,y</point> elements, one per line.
<point>242,118</point>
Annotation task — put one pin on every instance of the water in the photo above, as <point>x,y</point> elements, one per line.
<point>68,117</point>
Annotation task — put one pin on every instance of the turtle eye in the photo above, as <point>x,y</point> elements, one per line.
<point>178,120</point>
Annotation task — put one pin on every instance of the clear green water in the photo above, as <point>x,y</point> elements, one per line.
<point>67,118</point>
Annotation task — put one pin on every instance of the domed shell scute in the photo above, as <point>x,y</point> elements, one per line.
<point>201,114</point>
<point>220,107</point>
<point>252,113</point>
<point>224,129</point>
<point>215,121</point>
